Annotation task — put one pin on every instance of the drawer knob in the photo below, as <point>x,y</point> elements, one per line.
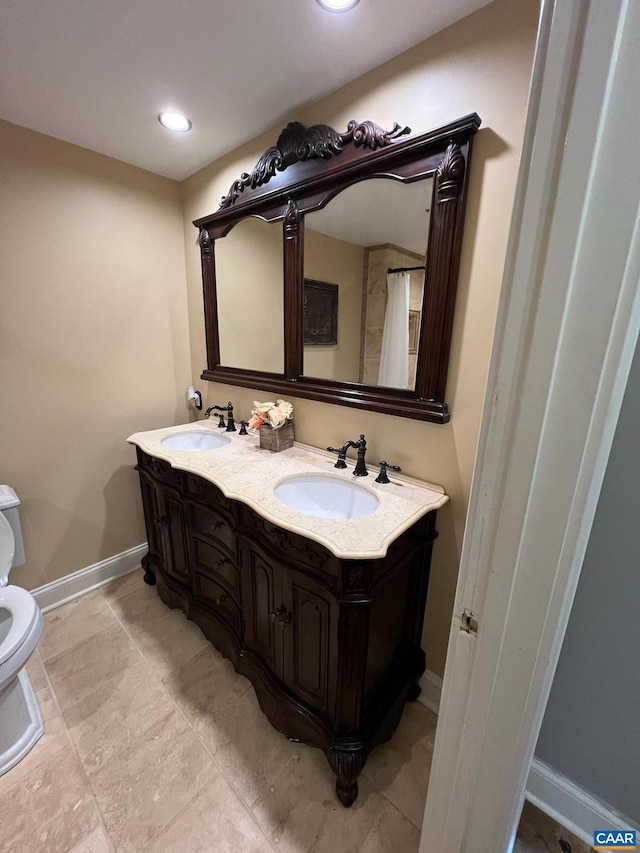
<point>221,599</point>
<point>222,562</point>
<point>281,616</point>
<point>216,525</point>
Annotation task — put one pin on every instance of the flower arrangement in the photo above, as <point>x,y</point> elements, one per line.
<point>274,415</point>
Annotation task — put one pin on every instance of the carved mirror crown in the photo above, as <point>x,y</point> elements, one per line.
<point>304,183</point>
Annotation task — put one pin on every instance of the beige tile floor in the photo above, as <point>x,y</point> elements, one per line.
<point>153,742</point>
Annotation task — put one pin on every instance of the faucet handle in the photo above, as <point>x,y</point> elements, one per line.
<point>243,428</point>
<point>341,462</point>
<point>221,423</point>
<point>382,476</point>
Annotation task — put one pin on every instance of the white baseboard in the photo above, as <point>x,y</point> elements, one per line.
<point>65,589</point>
<point>570,805</point>
<point>431,685</point>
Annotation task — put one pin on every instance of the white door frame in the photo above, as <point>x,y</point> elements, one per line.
<point>567,328</point>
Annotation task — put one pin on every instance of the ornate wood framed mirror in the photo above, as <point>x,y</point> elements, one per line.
<point>380,214</point>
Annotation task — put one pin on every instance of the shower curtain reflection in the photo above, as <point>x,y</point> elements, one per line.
<point>394,355</point>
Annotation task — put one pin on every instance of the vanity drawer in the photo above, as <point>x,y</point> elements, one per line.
<point>216,564</point>
<point>212,593</point>
<point>205,492</point>
<point>294,547</point>
<point>214,526</point>
<point>160,470</point>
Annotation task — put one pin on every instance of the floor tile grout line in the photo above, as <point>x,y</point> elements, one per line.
<point>182,810</point>
<point>274,779</point>
<point>248,806</point>
<point>216,764</point>
<point>222,775</point>
<point>125,747</point>
<point>119,754</point>
<point>72,745</point>
<point>388,798</point>
<point>76,601</point>
<point>181,712</point>
<point>59,654</point>
<point>123,624</point>
<point>159,681</point>
<point>124,627</point>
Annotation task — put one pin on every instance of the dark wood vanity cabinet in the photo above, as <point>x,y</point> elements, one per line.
<point>331,646</point>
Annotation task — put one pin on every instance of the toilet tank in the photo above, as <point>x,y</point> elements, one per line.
<point>9,503</point>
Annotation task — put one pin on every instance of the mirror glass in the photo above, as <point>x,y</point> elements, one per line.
<point>362,323</point>
<point>249,284</point>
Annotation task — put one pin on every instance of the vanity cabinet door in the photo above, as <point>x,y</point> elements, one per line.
<point>260,580</point>
<point>173,535</point>
<point>308,623</point>
<point>151,507</point>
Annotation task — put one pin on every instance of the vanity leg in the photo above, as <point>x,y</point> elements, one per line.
<point>414,691</point>
<point>149,574</point>
<point>347,791</point>
<point>347,764</point>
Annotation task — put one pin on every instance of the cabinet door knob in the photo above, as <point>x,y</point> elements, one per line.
<point>221,598</point>
<point>280,615</point>
<point>216,525</point>
<point>221,562</point>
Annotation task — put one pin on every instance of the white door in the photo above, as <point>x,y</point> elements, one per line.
<point>567,329</point>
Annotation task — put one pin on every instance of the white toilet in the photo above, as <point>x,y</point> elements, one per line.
<point>20,630</point>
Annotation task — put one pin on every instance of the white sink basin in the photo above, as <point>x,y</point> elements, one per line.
<point>324,496</point>
<point>195,441</point>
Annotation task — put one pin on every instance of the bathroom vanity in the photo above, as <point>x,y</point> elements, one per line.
<point>323,616</point>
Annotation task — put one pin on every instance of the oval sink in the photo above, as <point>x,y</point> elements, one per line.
<point>195,441</point>
<point>323,496</point>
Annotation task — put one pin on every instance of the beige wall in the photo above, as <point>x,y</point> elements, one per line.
<point>480,64</point>
<point>328,259</point>
<point>251,296</point>
<point>93,343</point>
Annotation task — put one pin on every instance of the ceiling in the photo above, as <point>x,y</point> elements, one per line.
<point>396,213</point>
<point>96,73</point>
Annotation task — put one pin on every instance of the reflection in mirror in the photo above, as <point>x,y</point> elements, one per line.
<point>368,229</point>
<point>249,276</point>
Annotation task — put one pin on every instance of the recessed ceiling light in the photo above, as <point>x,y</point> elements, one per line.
<point>338,5</point>
<point>174,121</point>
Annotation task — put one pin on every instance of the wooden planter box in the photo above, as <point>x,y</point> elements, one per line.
<point>276,439</point>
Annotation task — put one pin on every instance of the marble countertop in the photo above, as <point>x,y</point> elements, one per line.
<point>245,472</point>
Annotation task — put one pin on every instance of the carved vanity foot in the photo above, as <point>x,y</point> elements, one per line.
<point>149,575</point>
<point>347,764</point>
<point>414,691</point>
<point>347,791</point>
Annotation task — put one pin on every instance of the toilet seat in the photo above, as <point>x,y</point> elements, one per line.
<point>24,615</point>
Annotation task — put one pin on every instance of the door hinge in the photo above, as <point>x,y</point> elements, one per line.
<point>469,622</point>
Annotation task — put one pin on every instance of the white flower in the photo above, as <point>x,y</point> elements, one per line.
<point>274,414</point>
<point>285,407</point>
<point>276,417</point>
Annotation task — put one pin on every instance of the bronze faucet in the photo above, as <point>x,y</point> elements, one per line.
<point>361,445</point>
<point>230,424</point>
